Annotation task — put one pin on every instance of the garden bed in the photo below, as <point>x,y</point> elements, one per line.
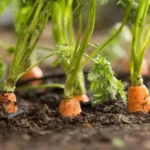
<point>106,126</point>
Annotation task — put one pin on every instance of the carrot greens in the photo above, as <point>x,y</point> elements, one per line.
<point>63,34</point>
<point>21,9</point>
<point>104,85</point>
<point>138,94</point>
<point>140,41</point>
<point>27,40</point>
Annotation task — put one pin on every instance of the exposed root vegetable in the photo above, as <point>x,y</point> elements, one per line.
<point>70,108</point>
<point>8,102</point>
<point>82,98</point>
<point>138,99</point>
<point>36,72</point>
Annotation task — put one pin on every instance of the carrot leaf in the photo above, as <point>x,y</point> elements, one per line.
<point>104,85</point>
<point>3,68</point>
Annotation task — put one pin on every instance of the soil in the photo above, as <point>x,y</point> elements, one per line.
<point>101,127</point>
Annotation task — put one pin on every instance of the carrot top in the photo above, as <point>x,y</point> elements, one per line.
<point>140,41</point>
<point>28,37</point>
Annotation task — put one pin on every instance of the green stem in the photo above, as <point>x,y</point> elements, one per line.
<point>38,62</point>
<point>27,41</point>
<point>76,69</point>
<point>138,48</point>
<point>78,37</point>
<point>9,85</point>
<point>96,51</point>
<point>41,86</point>
<point>61,25</point>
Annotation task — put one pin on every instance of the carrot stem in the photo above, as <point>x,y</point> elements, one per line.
<point>138,48</point>
<point>41,86</point>
<point>76,66</point>
<point>97,50</point>
<point>31,31</point>
<point>63,35</point>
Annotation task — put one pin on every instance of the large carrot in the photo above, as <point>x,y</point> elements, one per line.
<point>138,94</point>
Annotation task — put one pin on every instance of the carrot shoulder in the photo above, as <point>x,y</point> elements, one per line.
<point>138,99</point>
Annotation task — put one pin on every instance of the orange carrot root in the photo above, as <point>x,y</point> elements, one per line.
<point>35,72</point>
<point>82,98</point>
<point>70,108</point>
<point>138,99</point>
<point>8,100</point>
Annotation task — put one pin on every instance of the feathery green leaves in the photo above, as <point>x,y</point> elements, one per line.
<point>104,85</point>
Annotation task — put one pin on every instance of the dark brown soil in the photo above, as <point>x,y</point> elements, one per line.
<point>101,127</point>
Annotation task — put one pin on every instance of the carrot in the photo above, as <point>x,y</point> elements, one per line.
<point>36,72</point>
<point>70,107</point>
<point>82,98</point>
<point>138,99</point>
<point>8,100</point>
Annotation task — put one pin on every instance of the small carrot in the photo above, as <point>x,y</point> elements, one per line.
<point>70,107</point>
<point>8,101</point>
<point>138,99</point>
<point>36,72</point>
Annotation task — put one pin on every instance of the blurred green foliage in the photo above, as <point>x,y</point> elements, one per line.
<point>3,5</point>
